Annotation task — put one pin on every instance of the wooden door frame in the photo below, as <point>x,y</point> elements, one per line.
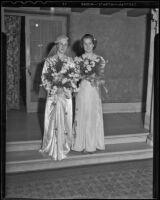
<point>33,106</point>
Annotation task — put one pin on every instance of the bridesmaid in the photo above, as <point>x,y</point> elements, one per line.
<point>88,130</point>
<point>58,111</point>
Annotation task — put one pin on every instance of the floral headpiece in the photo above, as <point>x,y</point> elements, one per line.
<point>61,37</point>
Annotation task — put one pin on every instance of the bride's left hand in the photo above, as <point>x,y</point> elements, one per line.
<point>67,93</point>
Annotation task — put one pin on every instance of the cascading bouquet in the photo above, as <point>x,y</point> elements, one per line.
<point>60,73</point>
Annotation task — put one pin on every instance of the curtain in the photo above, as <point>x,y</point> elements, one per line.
<point>13,30</point>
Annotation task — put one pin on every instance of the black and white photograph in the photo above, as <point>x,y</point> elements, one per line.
<point>80,100</point>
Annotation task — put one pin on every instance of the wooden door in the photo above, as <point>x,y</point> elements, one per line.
<point>41,32</point>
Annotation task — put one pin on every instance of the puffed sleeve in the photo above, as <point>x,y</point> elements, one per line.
<point>102,86</point>
<point>102,69</point>
<point>45,83</point>
<point>42,89</point>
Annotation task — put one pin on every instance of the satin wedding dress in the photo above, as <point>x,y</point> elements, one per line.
<point>57,124</point>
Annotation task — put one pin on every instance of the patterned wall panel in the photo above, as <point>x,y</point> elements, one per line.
<point>13,30</point>
<point>121,41</point>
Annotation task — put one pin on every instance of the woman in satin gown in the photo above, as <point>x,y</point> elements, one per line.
<point>58,113</point>
<point>88,130</point>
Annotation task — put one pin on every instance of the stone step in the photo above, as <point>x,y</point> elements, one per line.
<point>113,139</point>
<point>23,161</point>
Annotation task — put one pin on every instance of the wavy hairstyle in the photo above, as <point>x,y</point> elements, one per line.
<point>91,37</point>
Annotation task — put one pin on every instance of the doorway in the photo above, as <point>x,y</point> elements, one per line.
<point>37,34</point>
<point>40,33</point>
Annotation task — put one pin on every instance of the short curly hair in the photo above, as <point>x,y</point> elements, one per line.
<point>91,37</point>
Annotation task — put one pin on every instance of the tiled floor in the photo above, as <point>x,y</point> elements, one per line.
<point>123,180</point>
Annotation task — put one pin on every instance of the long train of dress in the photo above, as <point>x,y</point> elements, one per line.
<point>57,126</point>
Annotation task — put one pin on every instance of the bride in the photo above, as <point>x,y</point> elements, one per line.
<point>88,127</point>
<point>58,111</point>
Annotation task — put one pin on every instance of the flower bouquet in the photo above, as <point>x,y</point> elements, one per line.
<point>60,73</point>
<point>90,69</point>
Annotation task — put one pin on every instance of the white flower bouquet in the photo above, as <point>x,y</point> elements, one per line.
<point>88,66</point>
<point>60,73</point>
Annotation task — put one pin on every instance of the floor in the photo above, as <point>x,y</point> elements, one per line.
<point>22,126</point>
<point>123,180</point>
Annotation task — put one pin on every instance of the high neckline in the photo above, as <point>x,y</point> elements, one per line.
<point>61,56</point>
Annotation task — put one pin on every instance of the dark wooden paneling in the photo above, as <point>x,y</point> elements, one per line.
<point>109,11</point>
<point>138,12</point>
<point>45,8</point>
<point>78,9</point>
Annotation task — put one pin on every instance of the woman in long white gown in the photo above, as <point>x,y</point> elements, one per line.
<point>58,112</point>
<point>88,127</point>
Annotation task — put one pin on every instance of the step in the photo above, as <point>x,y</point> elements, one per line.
<point>111,139</point>
<point>30,126</point>
<point>23,161</point>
